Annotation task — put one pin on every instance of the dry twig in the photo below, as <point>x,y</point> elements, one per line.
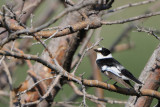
<point>149,31</point>
<point>130,5</point>
<point>9,80</point>
<point>86,50</point>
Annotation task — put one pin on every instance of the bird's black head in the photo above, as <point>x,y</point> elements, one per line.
<point>103,51</point>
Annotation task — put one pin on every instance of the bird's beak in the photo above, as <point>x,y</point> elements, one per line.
<point>95,50</point>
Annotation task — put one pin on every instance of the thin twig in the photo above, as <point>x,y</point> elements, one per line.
<point>28,57</point>
<point>149,31</point>
<point>81,25</point>
<point>75,96</point>
<point>9,80</point>
<point>95,44</point>
<point>13,44</point>
<point>5,20</point>
<point>60,103</point>
<point>91,83</point>
<point>31,20</point>
<point>84,92</point>
<point>130,5</point>
<point>3,31</point>
<point>67,10</point>
<point>86,40</point>
<point>23,92</point>
<point>2,59</point>
<point>52,36</point>
<point>46,94</point>
<point>81,83</point>
<point>46,48</point>
<point>130,19</point>
<point>14,16</point>
<point>4,93</point>
<point>22,6</point>
<point>97,34</point>
<point>95,98</point>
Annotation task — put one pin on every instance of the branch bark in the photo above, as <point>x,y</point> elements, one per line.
<point>63,50</point>
<point>150,77</point>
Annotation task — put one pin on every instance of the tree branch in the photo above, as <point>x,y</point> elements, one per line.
<point>91,83</point>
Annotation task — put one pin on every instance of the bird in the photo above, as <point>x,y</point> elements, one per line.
<point>113,69</point>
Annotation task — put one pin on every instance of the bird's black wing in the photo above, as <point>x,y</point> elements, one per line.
<point>130,76</point>
<point>112,62</point>
<point>124,71</point>
<point>109,62</point>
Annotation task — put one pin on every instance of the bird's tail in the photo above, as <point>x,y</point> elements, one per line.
<point>130,76</point>
<point>136,80</point>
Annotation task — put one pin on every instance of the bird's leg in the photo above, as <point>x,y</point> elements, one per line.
<point>139,88</point>
<point>108,80</point>
<point>115,83</point>
<point>139,93</point>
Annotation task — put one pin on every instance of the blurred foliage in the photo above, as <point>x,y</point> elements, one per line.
<point>133,59</point>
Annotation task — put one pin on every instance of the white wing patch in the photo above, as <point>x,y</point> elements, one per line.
<point>104,68</point>
<point>124,77</point>
<point>115,71</point>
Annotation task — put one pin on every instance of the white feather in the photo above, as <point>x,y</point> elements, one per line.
<point>99,49</point>
<point>115,71</point>
<point>104,68</point>
<point>100,56</point>
<point>124,77</point>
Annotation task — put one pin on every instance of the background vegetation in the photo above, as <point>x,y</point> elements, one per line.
<point>134,58</point>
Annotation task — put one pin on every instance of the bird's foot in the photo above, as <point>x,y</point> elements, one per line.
<point>139,89</point>
<point>108,80</point>
<point>115,84</point>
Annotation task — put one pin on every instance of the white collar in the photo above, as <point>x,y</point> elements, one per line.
<point>100,56</point>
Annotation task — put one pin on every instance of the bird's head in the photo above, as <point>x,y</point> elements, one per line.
<point>103,53</point>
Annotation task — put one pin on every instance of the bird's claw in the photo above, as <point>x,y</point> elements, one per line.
<point>139,89</point>
<point>115,84</point>
<point>108,80</point>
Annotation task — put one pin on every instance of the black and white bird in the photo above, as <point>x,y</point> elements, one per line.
<point>113,69</point>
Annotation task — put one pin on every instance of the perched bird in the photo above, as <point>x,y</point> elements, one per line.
<point>113,69</point>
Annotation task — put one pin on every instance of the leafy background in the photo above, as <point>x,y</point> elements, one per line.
<point>133,59</point>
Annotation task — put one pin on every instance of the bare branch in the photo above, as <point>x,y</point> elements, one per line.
<point>149,31</point>
<point>130,5</point>
<point>9,80</point>
<point>94,98</point>
<point>23,92</point>
<point>91,83</point>
<point>46,94</point>
<point>4,93</point>
<point>28,57</point>
<point>91,97</point>
<point>86,50</point>
<point>82,48</point>
<point>130,19</point>
<point>150,76</point>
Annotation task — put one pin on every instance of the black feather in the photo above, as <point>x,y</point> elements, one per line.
<point>112,62</point>
<point>127,81</point>
<point>109,62</point>
<point>130,76</point>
